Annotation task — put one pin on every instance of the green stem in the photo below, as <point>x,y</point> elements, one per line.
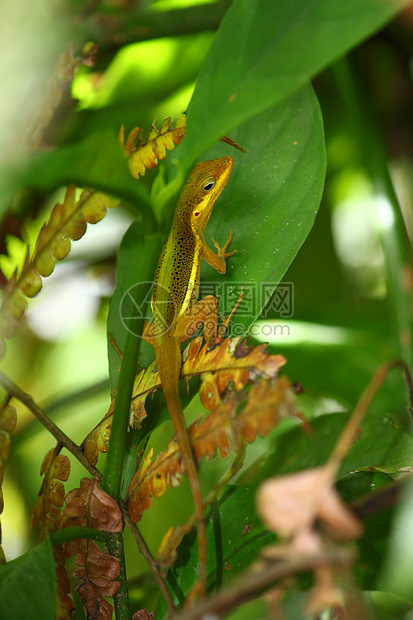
<point>118,437</point>
<point>121,598</point>
<point>120,418</point>
<point>114,462</point>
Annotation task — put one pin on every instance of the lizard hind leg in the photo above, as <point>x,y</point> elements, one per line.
<point>203,312</point>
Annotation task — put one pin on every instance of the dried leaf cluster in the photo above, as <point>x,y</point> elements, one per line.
<point>67,222</point>
<point>304,507</point>
<point>144,154</point>
<point>220,364</point>
<point>89,506</point>
<point>240,419</point>
<point>223,431</point>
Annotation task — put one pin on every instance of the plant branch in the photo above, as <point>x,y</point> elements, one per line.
<point>117,31</point>
<point>121,599</point>
<point>12,389</point>
<point>54,408</point>
<point>120,421</point>
<point>345,440</point>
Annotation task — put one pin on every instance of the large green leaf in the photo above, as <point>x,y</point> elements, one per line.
<point>28,585</point>
<point>355,361</point>
<point>271,198</point>
<point>234,535</point>
<point>264,51</point>
<point>379,446</point>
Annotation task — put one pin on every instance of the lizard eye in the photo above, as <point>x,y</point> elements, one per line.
<point>209,185</point>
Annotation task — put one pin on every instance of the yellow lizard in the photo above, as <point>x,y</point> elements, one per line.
<point>176,312</point>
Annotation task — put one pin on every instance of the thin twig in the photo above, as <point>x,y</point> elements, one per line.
<point>12,389</point>
<point>259,578</point>
<point>345,440</point>
<point>145,551</point>
<point>175,539</point>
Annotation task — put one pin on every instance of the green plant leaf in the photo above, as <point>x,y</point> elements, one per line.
<point>96,162</point>
<point>373,544</point>
<point>270,201</point>
<point>235,535</point>
<point>356,359</point>
<point>28,585</point>
<point>264,51</point>
<point>379,445</point>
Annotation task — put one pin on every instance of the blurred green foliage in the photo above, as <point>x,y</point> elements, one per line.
<point>350,266</point>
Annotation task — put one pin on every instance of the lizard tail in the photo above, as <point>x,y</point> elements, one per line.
<point>169,370</point>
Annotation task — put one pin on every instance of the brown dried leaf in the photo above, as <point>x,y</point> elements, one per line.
<point>98,577</point>
<point>65,605</point>
<point>97,440</point>
<point>8,419</point>
<point>227,362</point>
<point>291,504</point>
<point>142,614</point>
<point>224,430</point>
<point>89,506</point>
<point>146,381</point>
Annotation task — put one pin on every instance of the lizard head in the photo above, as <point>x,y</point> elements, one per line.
<point>203,186</point>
